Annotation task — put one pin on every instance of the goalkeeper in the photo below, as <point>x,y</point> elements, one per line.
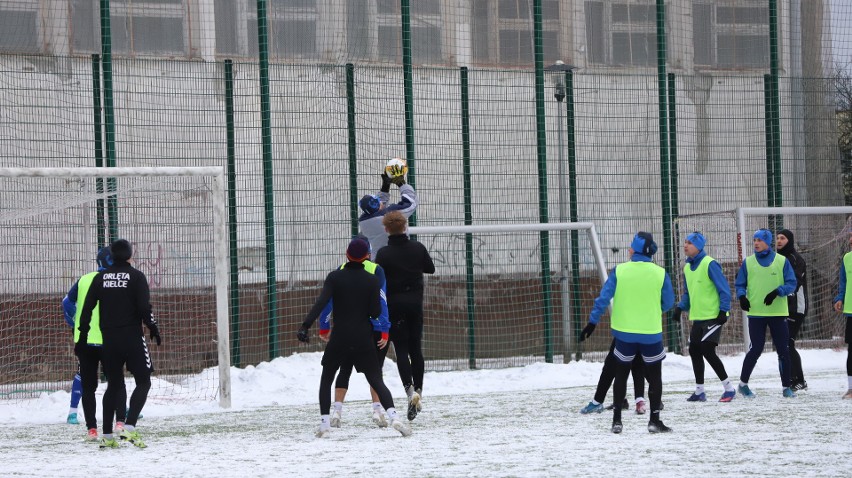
<point>374,207</point>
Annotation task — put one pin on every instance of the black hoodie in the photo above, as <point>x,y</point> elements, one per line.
<point>800,269</point>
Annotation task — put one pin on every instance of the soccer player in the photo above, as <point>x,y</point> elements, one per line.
<point>707,298</point>
<point>405,261</point>
<point>381,329</point>
<point>86,380</point>
<point>640,292</point>
<point>763,277</point>
<point>375,207</point>
<point>797,303</point>
<point>637,367</point>
<point>355,295</point>
<point>121,292</point>
<point>843,304</point>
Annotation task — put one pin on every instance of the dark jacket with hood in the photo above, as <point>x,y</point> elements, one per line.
<point>797,302</point>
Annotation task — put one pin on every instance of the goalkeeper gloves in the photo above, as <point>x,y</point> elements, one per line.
<point>386,182</point>
<point>744,303</point>
<point>770,297</point>
<point>722,317</point>
<point>398,180</point>
<point>587,331</point>
<point>302,334</point>
<point>155,334</point>
<point>676,314</point>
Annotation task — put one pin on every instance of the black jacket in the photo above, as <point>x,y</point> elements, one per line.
<point>404,261</point>
<point>355,296</point>
<point>125,301</point>
<point>799,299</point>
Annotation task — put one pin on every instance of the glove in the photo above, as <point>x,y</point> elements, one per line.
<point>770,297</point>
<point>744,303</point>
<point>587,331</point>
<point>386,182</point>
<point>80,346</point>
<point>398,180</point>
<point>155,334</point>
<point>676,314</point>
<point>302,335</point>
<point>722,317</point>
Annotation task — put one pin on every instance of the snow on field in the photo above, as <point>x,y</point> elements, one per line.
<point>507,422</point>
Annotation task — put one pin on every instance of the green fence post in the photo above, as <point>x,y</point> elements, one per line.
<point>408,94</point>
<point>353,156</point>
<point>673,328</point>
<point>770,144</point>
<point>268,192</point>
<point>576,309</point>
<point>99,148</point>
<point>468,218</point>
<point>232,213</point>
<point>109,119</point>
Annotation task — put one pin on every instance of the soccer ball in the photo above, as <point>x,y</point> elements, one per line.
<point>396,167</point>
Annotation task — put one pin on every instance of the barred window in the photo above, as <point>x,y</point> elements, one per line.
<point>621,33</point>
<point>502,32</point>
<point>731,34</point>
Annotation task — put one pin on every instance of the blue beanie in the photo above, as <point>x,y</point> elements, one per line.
<point>643,243</point>
<point>104,258</point>
<point>369,203</point>
<point>697,240</point>
<point>764,235</point>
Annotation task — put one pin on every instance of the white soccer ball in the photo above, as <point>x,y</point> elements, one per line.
<point>396,167</point>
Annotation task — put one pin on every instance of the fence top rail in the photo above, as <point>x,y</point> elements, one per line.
<point>112,172</point>
<point>553,226</point>
<point>809,210</point>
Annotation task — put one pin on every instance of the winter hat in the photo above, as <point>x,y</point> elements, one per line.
<point>358,250</point>
<point>791,242</point>
<point>104,257</point>
<point>764,235</point>
<point>121,250</point>
<point>697,240</point>
<point>367,240</point>
<point>643,243</point>
<point>369,203</point>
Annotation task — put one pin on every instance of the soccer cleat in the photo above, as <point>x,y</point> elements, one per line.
<point>800,386</point>
<point>641,407</point>
<point>617,427</point>
<point>323,430</point>
<point>848,394</point>
<point>401,427</point>
<point>625,405</point>
<point>789,393</point>
<point>132,437</point>
<point>109,443</point>
<point>119,427</point>
<point>745,391</point>
<point>419,404</point>
<point>335,419</point>
<point>658,427</point>
<point>92,435</point>
<point>380,419</point>
<point>414,406</point>
<point>728,396</point>
<point>697,397</point>
<point>72,419</point>
<point>592,408</point>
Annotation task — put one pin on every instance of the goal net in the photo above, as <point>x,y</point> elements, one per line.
<point>52,222</point>
<point>490,305</point>
<point>821,237</point>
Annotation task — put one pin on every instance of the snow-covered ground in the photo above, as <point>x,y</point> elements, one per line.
<point>507,422</point>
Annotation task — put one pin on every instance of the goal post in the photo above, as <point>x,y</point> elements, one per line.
<point>52,223</point>
<point>489,287</point>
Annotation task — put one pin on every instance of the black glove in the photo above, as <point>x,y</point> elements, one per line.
<point>155,334</point>
<point>676,314</point>
<point>80,346</point>
<point>770,297</point>
<point>302,335</point>
<point>587,331</point>
<point>744,303</point>
<point>398,180</point>
<point>722,317</point>
<point>386,182</point>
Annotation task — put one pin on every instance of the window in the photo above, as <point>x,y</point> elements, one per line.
<point>730,34</point>
<point>502,32</point>
<point>426,23</point>
<point>19,27</point>
<point>137,27</point>
<point>621,34</point>
<point>292,28</point>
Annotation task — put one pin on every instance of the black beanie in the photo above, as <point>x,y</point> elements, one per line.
<point>121,249</point>
<point>791,242</point>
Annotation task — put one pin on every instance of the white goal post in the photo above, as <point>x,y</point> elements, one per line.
<point>173,202</point>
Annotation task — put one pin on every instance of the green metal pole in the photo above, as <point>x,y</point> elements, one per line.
<point>770,142</point>
<point>232,213</point>
<point>776,107</point>
<point>541,143</point>
<point>673,328</point>
<point>576,306</point>
<point>665,178</point>
<point>99,148</point>
<point>109,119</point>
<point>353,156</point>
<point>268,193</point>
<point>468,218</point>
<point>408,93</point>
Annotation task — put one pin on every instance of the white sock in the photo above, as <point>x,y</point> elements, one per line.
<point>391,413</point>
<point>107,436</point>
<point>72,410</point>
<point>129,428</point>
<point>640,399</point>
<point>377,407</point>
<point>595,403</point>
<point>338,406</point>
<point>699,389</point>
<point>849,379</point>
<point>324,419</point>
<point>729,387</point>
<point>743,384</point>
